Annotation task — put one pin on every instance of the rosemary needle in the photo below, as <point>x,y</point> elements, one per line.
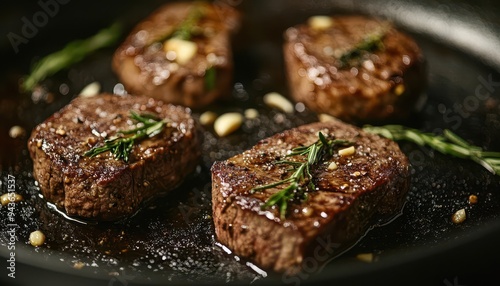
<point>370,42</point>
<point>121,145</point>
<point>448,143</point>
<point>301,179</point>
<point>72,53</point>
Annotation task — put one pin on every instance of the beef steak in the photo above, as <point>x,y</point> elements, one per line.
<point>180,54</point>
<point>363,189</point>
<point>103,187</point>
<point>355,68</point>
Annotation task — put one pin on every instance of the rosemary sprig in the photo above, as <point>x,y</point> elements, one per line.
<point>448,143</point>
<point>210,78</point>
<point>371,42</point>
<point>186,28</point>
<point>301,179</point>
<point>72,53</point>
<point>121,145</point>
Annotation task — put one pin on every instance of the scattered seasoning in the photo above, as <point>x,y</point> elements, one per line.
<point>459,216</point>
<point>472,199</point>
<point>307,211</point>
<point>122,144</point>
<point>60,131</point>
<point>301,179</point>
<point>37,238</point>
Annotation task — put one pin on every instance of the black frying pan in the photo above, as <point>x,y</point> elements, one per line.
<point>172,239</point>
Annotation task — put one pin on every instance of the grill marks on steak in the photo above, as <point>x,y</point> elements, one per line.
<point>145,68</point>
<point>382,83</point>
<point>366,188</point>
<point>102,187</point>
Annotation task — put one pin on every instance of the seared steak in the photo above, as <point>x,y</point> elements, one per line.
<point>103,187</point>
<point>354,68</point>
<point>359,191</point>
<point>180,54</point>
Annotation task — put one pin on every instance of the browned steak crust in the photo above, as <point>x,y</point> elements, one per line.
<point>366,188</point>
<point>145,68</point>
<point>381,83</point>
<point>102,187</point>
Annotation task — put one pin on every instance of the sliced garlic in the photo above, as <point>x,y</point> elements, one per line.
<point>207,118</point>
<point>365,257</point>
<point>333,166</point>
<point>251,113</point>
<point>7,198</point>
<point>399,89</point>
<point>227,123</point>
<point>276,100</point>
<point>16,131</point>
<point>347,151</point>
<point>184,50</point>
<point>91,89</point>
<point>459,216</point>
<point>323,117</point>
<point>320,22</point>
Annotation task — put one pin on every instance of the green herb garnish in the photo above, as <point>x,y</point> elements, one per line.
<point>210,78</point>
<point>121,145</point>
<point>371,42</point>
<point>186,28</point>
<point>301,179</point>
<point>72,53</point>
<point>449,143</point>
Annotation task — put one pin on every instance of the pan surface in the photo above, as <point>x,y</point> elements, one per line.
<point>172,239</point>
